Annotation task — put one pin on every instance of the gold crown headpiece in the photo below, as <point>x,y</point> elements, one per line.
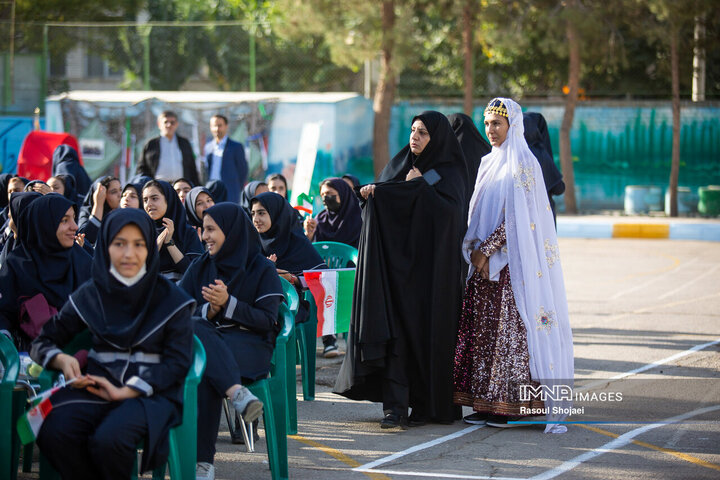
<point>496,107</point>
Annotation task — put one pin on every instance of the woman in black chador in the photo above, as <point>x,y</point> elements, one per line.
<point>140,325</point>
<point>408,287</point>
<point>538,139</point>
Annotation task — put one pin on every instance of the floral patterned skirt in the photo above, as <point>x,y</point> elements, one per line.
<point>491,356</point>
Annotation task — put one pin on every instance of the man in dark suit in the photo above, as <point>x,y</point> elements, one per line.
<point>169,156</point>
<point>225,159</point>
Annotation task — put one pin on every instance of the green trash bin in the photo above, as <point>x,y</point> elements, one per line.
<point>709,204</point>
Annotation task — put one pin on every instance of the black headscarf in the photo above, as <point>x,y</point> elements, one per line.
<point>190,200</point>
<point>70,189</point>
<point>248,193</point>
<point>30,186</point>
<point>67,161</point>
<point>538,139</point>
<point>118,313</point>
<point>137,186</point>
<point>439,152</point>
<point>344,225</point>
<point>185,237</point>
<point>240,263</point>
<point>18,202</point>
<point>218,190</point>
<point>473,144</point>
<point>54,270</point>
<point>4,182</point>
<point>89,202</point>
<point>294,251</point>
<point>355,180</point>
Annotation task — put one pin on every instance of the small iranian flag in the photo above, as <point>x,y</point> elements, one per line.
<point>332,290</point>
<point>28,425</point>
<point>304,204</point>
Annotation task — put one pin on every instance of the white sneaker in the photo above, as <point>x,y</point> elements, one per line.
<point>204,471</point>
<point>247,405</point>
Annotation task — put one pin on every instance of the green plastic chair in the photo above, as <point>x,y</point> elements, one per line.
<point>182,458</point>
<point>293,302</point>
<point>272,392</point>
<point>9,447</point>
<point>336,254</point>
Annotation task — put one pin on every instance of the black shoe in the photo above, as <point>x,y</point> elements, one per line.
<point>417,419</point>
<point>237,437</point>
<point>501,421</point>
<point>476,418</point>
<point>393,420</point>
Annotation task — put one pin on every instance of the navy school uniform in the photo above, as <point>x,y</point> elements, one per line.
<point>240,339</point>
<point>141,338</point>
<point>40,265</point>
<point>288,242</point>
<point>184,236</point>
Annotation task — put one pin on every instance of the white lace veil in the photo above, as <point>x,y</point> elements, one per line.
<point>510,188</point>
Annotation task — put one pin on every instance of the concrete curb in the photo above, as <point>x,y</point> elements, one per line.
<point>608,227</point>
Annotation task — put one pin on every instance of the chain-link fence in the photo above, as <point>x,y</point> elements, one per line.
<point>226,56</point>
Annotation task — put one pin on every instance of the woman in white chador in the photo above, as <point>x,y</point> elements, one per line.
<point>514,331</point>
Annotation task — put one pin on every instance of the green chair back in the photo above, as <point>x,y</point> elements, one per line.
<point>9,447</point>
<point>336,254</point>
<point>272,392</point>
<point>183,438</point>
<point>291,296</point>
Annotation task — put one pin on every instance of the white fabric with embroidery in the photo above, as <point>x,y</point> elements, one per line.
<point>510,188</point>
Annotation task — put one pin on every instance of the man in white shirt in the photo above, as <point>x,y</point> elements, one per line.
<point>169,156</point>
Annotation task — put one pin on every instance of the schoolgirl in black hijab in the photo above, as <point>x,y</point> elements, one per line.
<point>341,220</point>
<point>18,202</point>
<point>256,187</point>
<point>13,183</point>
<point>67,161</point>
<point>282,237</point>
<point>239,330</point>
<point>218,190</point>
<point>48,262</point>
<point>104,196</point>
<point>408,289</point>
<point>180,245</point>
<point>4,181</point>
<point>66,183</point>
<point>140,325</point>
<point>197,201</point>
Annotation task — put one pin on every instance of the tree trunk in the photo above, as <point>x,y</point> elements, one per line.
<point>467,43</point>
<point>385,90</point>
<point>698,84</point>
<point>675,163</point>
<point>566,162</point>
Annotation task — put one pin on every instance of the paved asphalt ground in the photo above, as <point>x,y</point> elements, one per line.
<point>646,323</point>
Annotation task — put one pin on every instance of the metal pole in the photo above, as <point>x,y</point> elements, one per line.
<point>146,59</point>
<point>12,52</point>
<point>44,65</point>
<point>252,59</point>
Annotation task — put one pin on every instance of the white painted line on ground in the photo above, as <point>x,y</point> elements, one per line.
<point>662,275</point>
<point>416,448</point>
<point>649,366</point>
<point>369,467</point>
<point>619,442</point>
<point>442,475</point>
<point>687,284</point>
